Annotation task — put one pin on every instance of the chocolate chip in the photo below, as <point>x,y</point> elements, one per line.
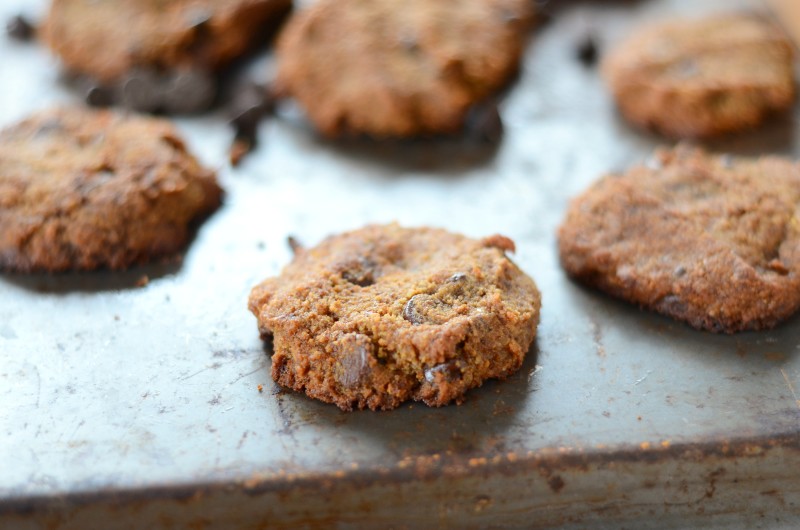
<point>586,51</point>
<point>484,124</point>
<point>20,29</point>
<point>449,369</point>
<point>142,91</point>
<point>426,309</point>
<point>361,272</point>
<point>457,277</point>
<point>100,96</point>
<point>189,92</point>
<point>353,352</point>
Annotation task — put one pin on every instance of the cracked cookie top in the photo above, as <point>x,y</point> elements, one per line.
<point>710,240</point>
<point>380,315</point>
<point>83,189</point>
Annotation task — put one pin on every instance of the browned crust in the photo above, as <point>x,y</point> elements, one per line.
<point>371,68</point>
<point>702,78</point>
<point>708,240</point>
<point>377,316</point>
<point>108,38</point>
<point>83,189</point>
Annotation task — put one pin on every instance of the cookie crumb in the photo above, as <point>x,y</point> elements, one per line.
<point>260,388</point>
<point>143,281</point>
<point>20,29</point>
<point>586,51</point>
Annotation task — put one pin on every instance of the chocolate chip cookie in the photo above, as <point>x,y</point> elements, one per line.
<point>713,241</point>
<point>397,70</point>
<point>377,316</point>
<point>83,189</point>
<point>109,38</point>
<point>704,77</point>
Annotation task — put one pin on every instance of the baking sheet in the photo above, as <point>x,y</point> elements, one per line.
<point>131,407</point>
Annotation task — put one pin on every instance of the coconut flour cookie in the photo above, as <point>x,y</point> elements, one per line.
<point>702,78</point>
<point>710,240</point>
<point>390,69</point>
<point>109,38</point>
<point>377,316</point>
<point>83,189</point>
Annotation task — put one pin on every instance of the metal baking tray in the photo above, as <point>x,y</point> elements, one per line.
<point>126,406</point>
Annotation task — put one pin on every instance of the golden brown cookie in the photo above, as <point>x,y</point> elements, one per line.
<point>377,316</point>
<point>107,39</point>
<point>710,240</point>
<point>83,189</point>
<point>396,70</point>
<point>704,77</point>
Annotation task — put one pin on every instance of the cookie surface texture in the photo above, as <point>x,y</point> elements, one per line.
<point>704,77</point>
<point>389,69</point>
<point>108,38</point>
<point>713,241</point>
<point>384,314</point>
<point>83,189</point>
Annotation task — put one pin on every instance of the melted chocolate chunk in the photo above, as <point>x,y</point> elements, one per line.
<point>448,369</point>
<point>353,352</point>
<point>426,309</point>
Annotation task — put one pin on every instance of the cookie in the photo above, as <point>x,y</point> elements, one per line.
<point>713,241</point>
<point>387,70</point>
<point>107,39</point>
<point>384,314</point>
<point>83,189</point>
<point>702,78</point>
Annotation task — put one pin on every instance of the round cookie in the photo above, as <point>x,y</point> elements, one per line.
<point>397,70</point>
<point>377,316</point>
<point>83,189</point>
<point>704,77</point>
<point>107,39</point>
<point>710,240</point>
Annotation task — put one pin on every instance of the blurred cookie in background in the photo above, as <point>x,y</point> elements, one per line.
<point>83,189</point>
<point>390,70</point>
<point>711,240</point>
<point>150,55</point>
<point>703,77</point>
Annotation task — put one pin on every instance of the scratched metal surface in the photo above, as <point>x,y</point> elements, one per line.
<point>124,404</point>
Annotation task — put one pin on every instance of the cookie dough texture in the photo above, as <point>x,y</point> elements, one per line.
<point>704,77</point>
<point>83,189</point>
<point>713,241</point>
<point>108,38</point>
<point>388,69</point>
<point>377,316</point>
